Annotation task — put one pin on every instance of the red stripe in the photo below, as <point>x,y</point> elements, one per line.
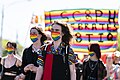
<point>47,74</point>
<point>48,67</point>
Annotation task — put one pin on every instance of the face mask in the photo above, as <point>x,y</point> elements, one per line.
<point>91,54</point>
<point>10,50</point>
<point>55,36</point>
<point>33,37</point>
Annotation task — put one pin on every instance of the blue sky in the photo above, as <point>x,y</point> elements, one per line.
<point>18,13</point>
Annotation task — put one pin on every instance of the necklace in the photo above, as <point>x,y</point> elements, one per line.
<point>93,66</point>
<point>92,69</point>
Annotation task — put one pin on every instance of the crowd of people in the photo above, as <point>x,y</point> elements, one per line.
<point>56,60</point>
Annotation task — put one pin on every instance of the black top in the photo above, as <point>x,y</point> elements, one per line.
<point>13,70</point>
<point>58,70</point>
<point>0,65</point>
<point>60,61</point>
<point>29,57</point>
<point>91,70</point>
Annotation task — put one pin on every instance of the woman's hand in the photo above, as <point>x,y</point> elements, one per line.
<point>20,77</point>
<point>17,78</point>
<point>30,67</point>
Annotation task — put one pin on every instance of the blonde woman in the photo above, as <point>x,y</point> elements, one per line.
<point>113,71</point>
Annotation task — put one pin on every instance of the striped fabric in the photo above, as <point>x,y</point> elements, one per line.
<point>89,26</point>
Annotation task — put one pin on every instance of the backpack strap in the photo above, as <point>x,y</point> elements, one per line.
<point>65,58</point>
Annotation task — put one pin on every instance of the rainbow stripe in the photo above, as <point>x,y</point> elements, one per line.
<point>55,35</point>
<point>102,28</point>
<point>91,53</point>
<point>9,50</point>
<point>33,37</point>
<point>80,16</point>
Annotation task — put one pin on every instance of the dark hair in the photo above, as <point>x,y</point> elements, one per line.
<point>40,31</point>
<point>8,43</point>
<point>65,30</point>
<point>95,48</point>
<point>14,45</point>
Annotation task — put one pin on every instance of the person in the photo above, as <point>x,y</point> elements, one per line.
<point>93,68</point>
<point>85,57</point>
<point>59,61</point>
<point>116,60</point>
<point>78,66</point>
<point>30,55</point>
<point>49,38</point>
<point>0,66</point>
<point>11,64</point>
<point>113,70</point>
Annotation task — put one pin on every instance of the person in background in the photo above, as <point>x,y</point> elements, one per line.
<point>30,55</point>
<point>93,68</point>
<point>0,67</point>
<point>85,57</point>
<point>113,71</point>
<point>59,62</point>
<point>78,66</point>
<point>11,64</point>
<point>49,38</point>
<point>116,60</point>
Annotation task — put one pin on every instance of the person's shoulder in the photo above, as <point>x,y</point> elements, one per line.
<point>3,59</point>
<point>102,64</point>
<point>27,48</point>
<point>19,61</point>
<point>100,61</point>
<point>18,58</point>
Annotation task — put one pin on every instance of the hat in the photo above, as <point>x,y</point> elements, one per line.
<point>117,53</point>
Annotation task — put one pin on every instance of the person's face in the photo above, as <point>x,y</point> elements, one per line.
<point>109,59</point>
<point>9,48</point>
<point>56,32</point>
<point>34,35</point>
<point>85,56</point>
<point>9,45</point>
<point>56,28</point>
<point>117,59</point>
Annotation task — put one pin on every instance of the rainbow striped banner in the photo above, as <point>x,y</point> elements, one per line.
<point>89,26</point>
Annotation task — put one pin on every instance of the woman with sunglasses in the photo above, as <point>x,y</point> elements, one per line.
<point>30,55</point>
<point>11,64</point>
<point>59,61</point>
